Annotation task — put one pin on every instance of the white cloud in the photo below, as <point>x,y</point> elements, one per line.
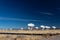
<point>58,8</point>
<point>16,19</point>
<point>46,13</point>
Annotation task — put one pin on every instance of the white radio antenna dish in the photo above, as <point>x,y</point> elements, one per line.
<point>31,25</point>
<point>47,27</point>
<point>21,28</point>
<point>28,28</point>
<point>43,27</point>
<point>36,27</point>
<point>54,27</point>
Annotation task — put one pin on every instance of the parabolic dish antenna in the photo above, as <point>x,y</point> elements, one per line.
<point>31,25</point>
<point>43,27</point>
<point>36,27</point>
<point>53,27</point>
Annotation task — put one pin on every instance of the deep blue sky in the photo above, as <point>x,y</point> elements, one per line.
<point>18,13</point>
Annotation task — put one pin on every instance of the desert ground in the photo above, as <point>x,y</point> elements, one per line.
<point>29,37</point>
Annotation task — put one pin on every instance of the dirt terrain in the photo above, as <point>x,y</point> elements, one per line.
<point>27,37</point>
<point>31,36</point>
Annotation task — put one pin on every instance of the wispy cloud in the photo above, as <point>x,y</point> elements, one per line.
<point>46,13</point>
<point>58,8</point>
<point>16,19</point>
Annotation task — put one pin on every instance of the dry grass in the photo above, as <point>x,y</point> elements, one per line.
<point>24,37</point>
<point>27,37</point>
<point>18,37</point>
<point>31,31</point>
